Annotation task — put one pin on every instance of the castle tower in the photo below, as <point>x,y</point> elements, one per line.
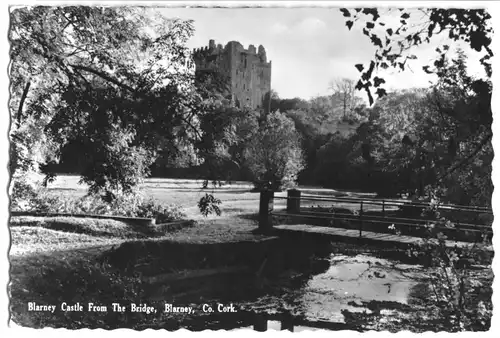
<point>247,70</point>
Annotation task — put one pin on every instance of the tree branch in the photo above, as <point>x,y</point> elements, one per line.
<point>105,77</point>
<point>197,132</point>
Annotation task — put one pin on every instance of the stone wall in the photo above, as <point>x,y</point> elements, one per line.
<point>247,70</point>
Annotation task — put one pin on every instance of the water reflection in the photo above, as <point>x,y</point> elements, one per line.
<point>351,282</point>
<point>312,287</point>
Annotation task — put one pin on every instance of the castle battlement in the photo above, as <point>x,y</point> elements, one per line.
<point>247,69</point>
<point>235,46</point>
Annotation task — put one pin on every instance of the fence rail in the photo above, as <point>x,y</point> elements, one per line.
<point>290,323</point>
<point>363,215</point>
<point>386,202</point>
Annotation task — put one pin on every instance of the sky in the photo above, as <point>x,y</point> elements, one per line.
<point>308,47</point>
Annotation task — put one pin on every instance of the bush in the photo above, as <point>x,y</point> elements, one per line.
<point>25,198</point>
<point>461,294</point>
<point>151,209</point>
<point>209,205</point>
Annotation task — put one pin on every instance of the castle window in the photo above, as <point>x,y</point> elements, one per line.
<point>245,63</point>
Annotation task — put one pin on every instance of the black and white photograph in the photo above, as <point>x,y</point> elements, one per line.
<point>250,166</point>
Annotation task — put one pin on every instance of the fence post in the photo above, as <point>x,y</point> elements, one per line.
<point>383,208</point>
<point>265,209</point>
<point>361,219</point>
<point>287,322</point>
<point>260,322</point>
<point>293,201</point>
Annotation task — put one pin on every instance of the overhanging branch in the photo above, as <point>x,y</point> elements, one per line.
<point>104,76</point>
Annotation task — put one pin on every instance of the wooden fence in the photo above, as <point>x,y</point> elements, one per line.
<point>371,211</point>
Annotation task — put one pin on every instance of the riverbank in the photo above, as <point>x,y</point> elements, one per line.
<point>342,284</point>
<point>123,266</point>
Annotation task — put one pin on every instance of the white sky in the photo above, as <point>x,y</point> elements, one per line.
<point>308,47</point>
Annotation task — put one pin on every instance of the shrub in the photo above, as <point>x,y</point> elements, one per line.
<point>130,205</point>
<point>162,214</point>
<point>208,204</point>
<point>26,197</point>
<point>462,295</point>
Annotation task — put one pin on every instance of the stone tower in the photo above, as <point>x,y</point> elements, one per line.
<point>247,70</point>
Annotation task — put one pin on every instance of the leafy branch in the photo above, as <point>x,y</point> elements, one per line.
<point>470,26</point>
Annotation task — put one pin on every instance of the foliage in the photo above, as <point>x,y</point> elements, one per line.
<point>312,138</point>
<point>274,154</point>
<point>366,159</point>
<point>226,130</point>
<point>118,165</point>
<point>463,299</point>
<point>30,147</point>
<point>161,213</point>
<point>87,72</point>
<point>396,32</point>
<point>25,198</point>
<point>455,140</point>
<point>414,138</point>
<point>209,205</point>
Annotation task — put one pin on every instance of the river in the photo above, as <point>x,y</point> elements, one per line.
<point>360,283</point>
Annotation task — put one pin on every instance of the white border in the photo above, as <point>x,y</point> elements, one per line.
<point>492,6</point>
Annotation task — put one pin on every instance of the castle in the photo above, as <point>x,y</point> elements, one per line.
<point>247,70</point>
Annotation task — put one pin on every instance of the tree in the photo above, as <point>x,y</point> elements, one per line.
<point>87,73</point>
<point>312,137</point>
<point>296,103</point>
<point>464,106</point>
<point>394,42</point>
<point>273,154</point>
<point>458,98</point>
<point>225,133</point>
<point>271,101</point>
<point>344,90</point>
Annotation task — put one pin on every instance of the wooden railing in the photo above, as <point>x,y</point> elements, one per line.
<point>290,323</point>
<point>364,213</point>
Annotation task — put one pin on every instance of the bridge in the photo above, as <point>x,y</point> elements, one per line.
<point>386,222</point>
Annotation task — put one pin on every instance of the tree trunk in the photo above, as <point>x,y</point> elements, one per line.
<point>21,104</point>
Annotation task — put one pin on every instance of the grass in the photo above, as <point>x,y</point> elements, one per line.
<point>52,263</point>
<point>56,259</point>
<point>46,234</point>
<point>59,259</point>
<point>29,240</point>
<point>88,226</point>
<point>237,197</point>
<point>69,276</point>
<point>50,266</point>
